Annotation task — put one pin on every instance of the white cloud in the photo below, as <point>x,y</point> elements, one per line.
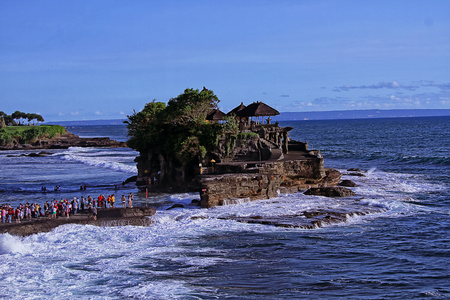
<point>98,113</point>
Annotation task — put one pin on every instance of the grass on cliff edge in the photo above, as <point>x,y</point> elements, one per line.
<point>27,134</point>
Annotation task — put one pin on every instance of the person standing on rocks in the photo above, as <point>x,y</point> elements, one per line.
<point>130,200</point>
<point>124,201</point>
<point>94,213</point>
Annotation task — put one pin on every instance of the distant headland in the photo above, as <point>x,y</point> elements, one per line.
<point>16,135</point>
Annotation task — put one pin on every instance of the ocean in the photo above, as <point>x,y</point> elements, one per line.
<point>401,252</point>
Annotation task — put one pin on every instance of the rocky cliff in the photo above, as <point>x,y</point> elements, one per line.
<point>64,141</point>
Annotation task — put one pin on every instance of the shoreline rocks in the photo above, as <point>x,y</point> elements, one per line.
<point>65,141</point>
<point>347,183</point>
<point>332,191</point>
<point>136,216</point>
<point>312,219</point>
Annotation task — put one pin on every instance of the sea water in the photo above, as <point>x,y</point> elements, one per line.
<point>194,253</point>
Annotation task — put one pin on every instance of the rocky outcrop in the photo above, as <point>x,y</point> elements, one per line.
<point>356,174</point>
<point>312,219</point>
<point>258,163</point>
<point>65,141</point>
<point>229,188</point>
<point>347,183</point>
<point>220,189</point>
<point>333,191</point>
<point>33,154</point>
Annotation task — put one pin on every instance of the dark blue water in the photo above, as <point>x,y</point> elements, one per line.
<point>193,253</point>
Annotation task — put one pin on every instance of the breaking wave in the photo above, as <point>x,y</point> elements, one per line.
<point>101,159</point>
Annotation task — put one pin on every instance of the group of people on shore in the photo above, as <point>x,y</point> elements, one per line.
<point>62,208</point>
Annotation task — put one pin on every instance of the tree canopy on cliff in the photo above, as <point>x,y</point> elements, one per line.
<point>18,118</point>
<point>178,129</point>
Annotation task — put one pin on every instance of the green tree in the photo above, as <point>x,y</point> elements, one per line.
<point>30,117</point>
<point>191,106</point>
<point>39,118</point>
<point>144,126</point>
<point>33,116</point>
<point>17,115</point>
<point>178,128</point>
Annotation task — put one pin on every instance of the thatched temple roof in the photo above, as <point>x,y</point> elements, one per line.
<point>258,109</point>
<point>236,110</point>
<point>215,115</point>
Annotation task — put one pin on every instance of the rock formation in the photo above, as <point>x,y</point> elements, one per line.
<point>65,141</point>
<point>335,191</point>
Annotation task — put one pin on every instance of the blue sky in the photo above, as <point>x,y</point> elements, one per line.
<point>100,59</point>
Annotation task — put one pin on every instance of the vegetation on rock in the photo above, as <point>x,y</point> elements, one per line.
<point>28,134</point>
<point>173,139</point>
<point>178,129</point>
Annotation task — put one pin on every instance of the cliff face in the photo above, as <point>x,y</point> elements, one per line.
<point>266,180</point>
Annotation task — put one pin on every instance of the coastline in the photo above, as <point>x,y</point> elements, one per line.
<point>65,141</point>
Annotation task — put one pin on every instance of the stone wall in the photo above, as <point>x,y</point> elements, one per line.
<point>306,168</point>
<point>267,181</point>
<point>219,188</point>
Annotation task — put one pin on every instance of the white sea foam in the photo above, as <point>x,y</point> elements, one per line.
<point>13,245</point>
<point>142,262</point>
<point>104,161</point>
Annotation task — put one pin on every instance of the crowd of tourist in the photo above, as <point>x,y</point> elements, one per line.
<point>62,208</point>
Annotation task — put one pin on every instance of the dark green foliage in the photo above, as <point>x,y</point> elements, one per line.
<point>248,135</point>
<point>178,129</point>
<point>18,118</point>
<point>28,134</point>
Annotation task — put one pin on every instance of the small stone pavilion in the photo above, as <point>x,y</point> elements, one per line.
<point>256,118</point>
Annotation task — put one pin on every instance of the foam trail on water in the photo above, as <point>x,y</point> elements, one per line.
<point>96,159</point>
<point>102,163</point>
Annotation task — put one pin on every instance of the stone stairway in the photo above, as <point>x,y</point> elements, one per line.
<point>276,152</point>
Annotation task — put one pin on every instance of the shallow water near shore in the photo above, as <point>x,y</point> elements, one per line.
<point>400,251</point>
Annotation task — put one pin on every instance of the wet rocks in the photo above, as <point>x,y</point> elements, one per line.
<point>334,191</point>
<point>312,219</point>
<point>176,206</point>
<point>356,174</point>
<point>347,183</point>
<point>40,154</point>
